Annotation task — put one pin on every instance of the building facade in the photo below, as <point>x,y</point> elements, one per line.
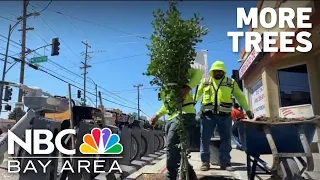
<point>272,81</point>
<point>285,84</point>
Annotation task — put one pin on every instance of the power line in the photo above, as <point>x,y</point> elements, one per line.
<point>45,7</point>
<point>149,104</point>
<point>71,72</point>
<point>141,37</point>
<point>73,63</point>
<point>76,18</point>
<point>7,19</point>
<point>115,94</point>
<point>134,90</point>
<point>145,114</point>
<point>115,59</point>
<point>58,36</point>
<point>40,69</point>
<point>83,77</point>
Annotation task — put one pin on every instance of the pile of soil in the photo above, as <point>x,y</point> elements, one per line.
<point>151,176</point>
<point>276,119</point>
<point>158,176</point>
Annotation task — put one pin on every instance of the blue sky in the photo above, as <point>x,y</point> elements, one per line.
<point>116,28</point>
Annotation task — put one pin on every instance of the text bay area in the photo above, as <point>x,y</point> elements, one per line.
<point>14,166</point>
<point>253,39</point>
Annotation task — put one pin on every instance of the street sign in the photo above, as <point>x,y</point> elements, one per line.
<point>83,100</point>
<point>40,59</point>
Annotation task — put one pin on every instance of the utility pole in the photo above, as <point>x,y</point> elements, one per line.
<point>85,66</point>
<point>96,87</point>
<point>138,89</point>
<point>23,45</point>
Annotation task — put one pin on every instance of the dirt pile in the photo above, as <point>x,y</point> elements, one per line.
<point>276,119</point>
<point>151,176</point>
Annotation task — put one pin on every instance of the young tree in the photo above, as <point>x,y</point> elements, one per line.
<point>172,53</point>
<point>16,114</point>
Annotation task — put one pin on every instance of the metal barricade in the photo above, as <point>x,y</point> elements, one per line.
<point>54,127</point>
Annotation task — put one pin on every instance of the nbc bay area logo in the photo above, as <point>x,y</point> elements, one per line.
<point>101,142</point>
<point>98,142</point>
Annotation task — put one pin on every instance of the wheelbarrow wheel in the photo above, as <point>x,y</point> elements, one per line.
<point>290,169</point>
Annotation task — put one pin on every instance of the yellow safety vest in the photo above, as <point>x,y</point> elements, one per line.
<point>217,99</point>
<point>187,101</point>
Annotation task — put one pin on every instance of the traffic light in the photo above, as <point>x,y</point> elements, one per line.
<point>7,94</point>
<point>235,76</point>
<point>79,94</point>
<point>7,107</point>
<point>55,47</point>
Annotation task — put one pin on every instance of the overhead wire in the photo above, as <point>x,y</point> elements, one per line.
<point>52,31</point>
<point>115,59</point>
<point>145,114</point>
<point>51,74</point>
<point>7,19</point>
<point>60,39</point>
<point>115,94</point>
<point>71,72</point>
<point>149,104</point>
<point>46,7</point>
<point>131,90</point>
<point>75,54</point>
<point>114,29</point>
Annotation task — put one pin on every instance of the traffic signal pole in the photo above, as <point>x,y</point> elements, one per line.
<point>4,67</point>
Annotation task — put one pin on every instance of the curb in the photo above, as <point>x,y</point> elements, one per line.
<point>137,165</point>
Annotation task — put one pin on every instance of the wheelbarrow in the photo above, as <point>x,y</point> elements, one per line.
<point>284,140</point>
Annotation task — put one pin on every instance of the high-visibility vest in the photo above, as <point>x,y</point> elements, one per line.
<point>217,99</point>
<point>187,101</point>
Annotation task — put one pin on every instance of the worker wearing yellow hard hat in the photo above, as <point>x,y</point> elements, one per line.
<point>216,106</point>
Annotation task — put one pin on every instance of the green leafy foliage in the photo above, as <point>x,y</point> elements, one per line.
<point>16,114</point>
<point>172,52</point>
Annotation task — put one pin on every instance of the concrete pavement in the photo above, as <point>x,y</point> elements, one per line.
<point>238,163</point>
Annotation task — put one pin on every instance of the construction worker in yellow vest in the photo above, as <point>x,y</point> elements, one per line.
<point>189,115</point>
<point>216,106</point>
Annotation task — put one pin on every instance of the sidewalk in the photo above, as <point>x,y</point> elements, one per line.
<point>238,163</point>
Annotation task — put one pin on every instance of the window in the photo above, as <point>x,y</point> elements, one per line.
<point>294,86</point>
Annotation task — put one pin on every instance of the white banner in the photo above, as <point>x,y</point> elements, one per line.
<point>257,99</point>
<point>300,111</point>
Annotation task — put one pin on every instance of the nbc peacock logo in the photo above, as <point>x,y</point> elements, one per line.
<point>101,142</point>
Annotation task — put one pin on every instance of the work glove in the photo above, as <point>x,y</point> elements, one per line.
<point>250,114</point>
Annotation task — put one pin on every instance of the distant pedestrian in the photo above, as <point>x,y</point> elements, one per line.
<point>236,115</point>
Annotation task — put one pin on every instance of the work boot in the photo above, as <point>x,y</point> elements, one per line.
<point>205,166</point>
<point>227,167</point>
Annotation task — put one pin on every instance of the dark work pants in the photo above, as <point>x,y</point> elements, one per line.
<point>173,152</point>
<point>208,124</point>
